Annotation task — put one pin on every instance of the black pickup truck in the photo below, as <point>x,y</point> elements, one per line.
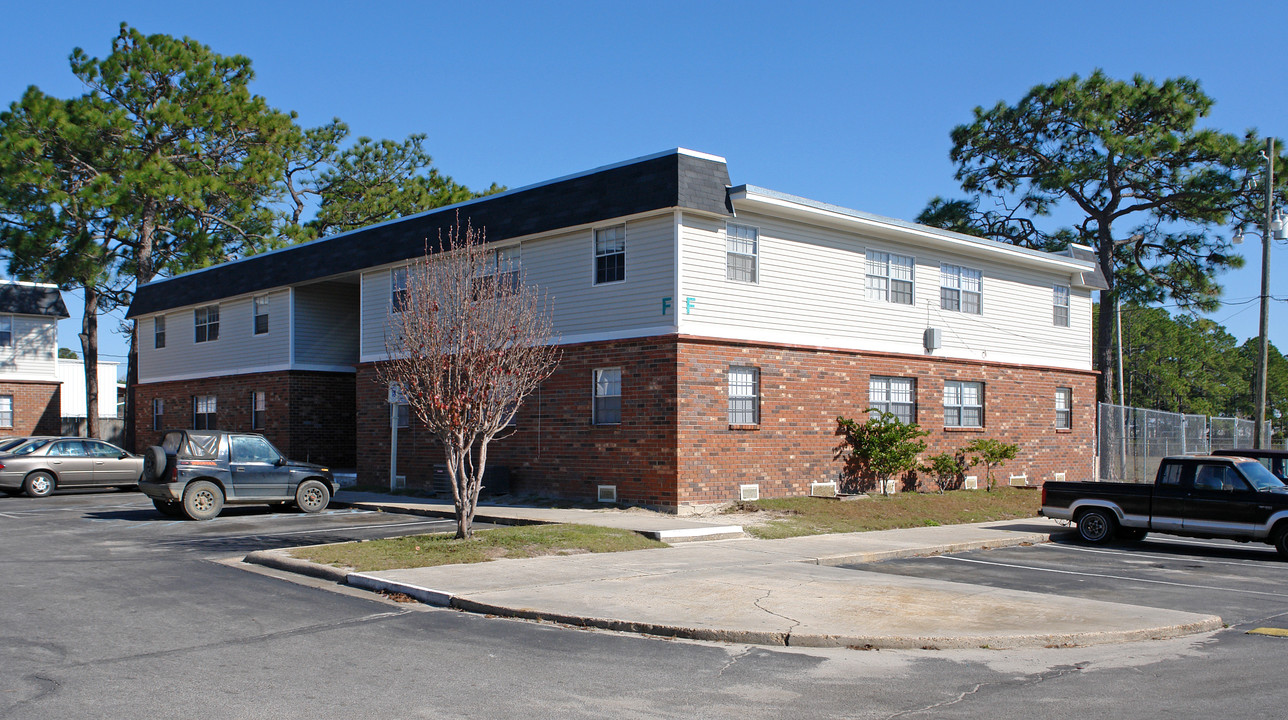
<point>1197,496</point>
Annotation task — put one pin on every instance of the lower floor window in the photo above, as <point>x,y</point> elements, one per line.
<point>203,412</point>
<point>963,404</point>
<point>1064,408</point>
<point>6,411</point>
<point>608,397</point>
<point>258,404</point>
<point>744,396</point>
<point>158,414</point>
<point>894,395</point>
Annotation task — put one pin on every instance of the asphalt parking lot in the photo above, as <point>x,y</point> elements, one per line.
<point>128,520</point>
<point>1246,584</point>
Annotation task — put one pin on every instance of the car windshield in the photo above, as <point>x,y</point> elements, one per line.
<point>29,447</point>
<point>1259,476</point>
<point>9,443</point>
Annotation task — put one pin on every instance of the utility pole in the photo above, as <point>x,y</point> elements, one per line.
<point>1263,356</point>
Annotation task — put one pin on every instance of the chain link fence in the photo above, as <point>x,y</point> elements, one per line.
<point>1131,441</point>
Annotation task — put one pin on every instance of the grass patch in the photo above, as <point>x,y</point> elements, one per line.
<point>817,516</point>
<point>506,542</point>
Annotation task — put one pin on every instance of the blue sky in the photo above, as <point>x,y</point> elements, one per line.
<point>847,103</point>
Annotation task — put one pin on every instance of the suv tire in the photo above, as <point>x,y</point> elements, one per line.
<point>312,496</point>
<point>202,500</point>
<point>154,462</point>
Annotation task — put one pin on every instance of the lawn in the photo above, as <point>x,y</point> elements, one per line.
<point>506,542</point>
<point>791,517</point>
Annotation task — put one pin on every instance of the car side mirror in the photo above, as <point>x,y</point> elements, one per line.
<point>280,461</point>
<point>123,455</point>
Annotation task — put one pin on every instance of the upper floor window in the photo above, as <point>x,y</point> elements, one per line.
<point>260,306</point>
<point>608,397</point>
<point>203,412</point>
<point>206,322</point>
<point>6,411</point>
<point>1064,408</point>
<point>258,408</point>
<point>1060,300</point>
<point>895,395</point>
<point>889,277</point>
<point>963,404</point>
<point>744,396</point>
<point>499,275</point>
<point>741,245</point>
<point>6,330</point>
<point>610,254</point>
<point>158,331</point>
<point>398,289</point>
<point>960,288</point>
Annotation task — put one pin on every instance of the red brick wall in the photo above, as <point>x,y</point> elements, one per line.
<point>37,407</point>
<point>555,450</point>
<point>308,415</point>
<point>803,390</point>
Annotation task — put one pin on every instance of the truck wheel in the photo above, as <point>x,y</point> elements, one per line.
<point>1096,525</point>
<point>202,500</point>
<point>312,496</point>
<point>1281,543</point>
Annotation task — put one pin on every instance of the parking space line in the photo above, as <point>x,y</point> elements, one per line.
<point>1110,577</point>
<point>1148,554</point>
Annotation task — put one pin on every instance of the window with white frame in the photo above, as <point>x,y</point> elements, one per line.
<point>205,322</point>
<point>158,332</point>
<point>203,412</point>
<point>610,254</point>
<point>895,395</point>
<point>6,330</point>
<point>741,252</point>
<point>6,411</point>
<point>260,305</point>
<point>963,404</point>
<point>608,397</point>
<point>1064,408</point>
<point>960,288</point>
<point>1060,302</point>
<point>158,414</point>
<point>744,396</point>
<point>398,289</point>
<point>258,409</point>
<point>889,277</point>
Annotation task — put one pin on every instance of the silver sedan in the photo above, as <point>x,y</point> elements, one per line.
<point>40,465</point>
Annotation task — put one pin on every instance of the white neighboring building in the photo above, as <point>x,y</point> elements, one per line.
<point>72,375</point>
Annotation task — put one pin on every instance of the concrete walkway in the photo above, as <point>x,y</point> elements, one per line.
<point>771,592</point>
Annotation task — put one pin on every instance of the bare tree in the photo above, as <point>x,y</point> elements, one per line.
<point>467,341</point>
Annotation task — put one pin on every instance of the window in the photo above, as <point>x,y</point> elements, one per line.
<point>1171,475</point>
<point>1064,408</point>
<point>251,449</point>
<point>608,397</point>
<point>68,448</point>
<point>500,274</point>
<point>960,289</point>
<point>158,332</point>
<point>203,412</point>
<point>206,322</point>
<point>258,404</point>
<point>6,330</point>
<point>963,404</point>
<point>741,243</point>
<point>610,254</point>
<point>894,395</point>
<point>744,396</point>
<point>6,411</point>
<point>1061,303</point>
<point>158,413</point>
<point>260,306</point>
<point>398,289</point>
<point>1218,478</point>
<point>889,277</point>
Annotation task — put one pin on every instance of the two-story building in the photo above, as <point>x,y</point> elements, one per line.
<point>30,394</point>
<point>711,333</point>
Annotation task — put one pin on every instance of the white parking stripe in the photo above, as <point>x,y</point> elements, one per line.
<point>1110,577</point>
<point>1143,553</point>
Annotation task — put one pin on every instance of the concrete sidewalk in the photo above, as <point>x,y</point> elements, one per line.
<point>773,592</point>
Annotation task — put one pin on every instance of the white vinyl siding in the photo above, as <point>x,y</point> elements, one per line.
<point>561,266</point>
<point>238,349</point>
<point>812,292</point>
<point>32,348</point>
<point>326,324</point>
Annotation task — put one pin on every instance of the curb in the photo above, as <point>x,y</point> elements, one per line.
<point>280,560</point>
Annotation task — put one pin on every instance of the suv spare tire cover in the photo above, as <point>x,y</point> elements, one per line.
<point>154,462</point>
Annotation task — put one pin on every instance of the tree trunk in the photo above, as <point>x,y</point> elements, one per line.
<point>144,272</point>
<point>89,352</point>
<point>1104,355</point>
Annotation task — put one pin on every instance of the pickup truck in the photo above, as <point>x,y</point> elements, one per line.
<point>1196,496</point>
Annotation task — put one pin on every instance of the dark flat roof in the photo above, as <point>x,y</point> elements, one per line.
<point>676,178</point>
<point>30,299</point>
